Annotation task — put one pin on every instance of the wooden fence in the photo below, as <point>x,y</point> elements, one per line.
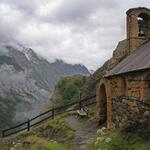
<point>50,114</point>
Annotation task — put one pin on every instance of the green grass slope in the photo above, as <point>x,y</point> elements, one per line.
<point>51,135</point>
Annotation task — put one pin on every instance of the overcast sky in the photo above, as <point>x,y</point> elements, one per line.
<point>76,31</point>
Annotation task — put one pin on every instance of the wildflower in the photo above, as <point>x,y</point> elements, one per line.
<point>96,143</point>
<point>103,133</point>
<point>55,142</point>
<point>51,140</point>
<point>100,139</point>
<point>108,140</point>
<point>99,131</point>
<point>103,128</point>
<point>12,148</point>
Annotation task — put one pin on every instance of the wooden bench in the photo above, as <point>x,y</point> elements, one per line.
<point>82,112</point>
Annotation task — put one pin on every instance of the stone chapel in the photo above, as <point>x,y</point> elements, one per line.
<point>123,91</point>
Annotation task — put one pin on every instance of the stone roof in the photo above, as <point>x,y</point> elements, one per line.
<point>139,60</point>
<point>138,8</point>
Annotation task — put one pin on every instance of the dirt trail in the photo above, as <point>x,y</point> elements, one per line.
<point>84,131</point>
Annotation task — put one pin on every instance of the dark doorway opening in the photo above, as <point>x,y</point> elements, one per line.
<point>103,105</point>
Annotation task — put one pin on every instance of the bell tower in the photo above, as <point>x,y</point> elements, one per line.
<point>138,27</point>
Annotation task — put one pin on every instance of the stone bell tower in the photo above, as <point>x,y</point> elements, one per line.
<point>138,27</point>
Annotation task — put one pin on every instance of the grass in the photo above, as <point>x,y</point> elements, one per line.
<point>36,143</point>
<point>51,135</point>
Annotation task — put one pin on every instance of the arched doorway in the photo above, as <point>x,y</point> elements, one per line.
<point>103,105</point>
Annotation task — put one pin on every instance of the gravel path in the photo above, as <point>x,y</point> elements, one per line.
<point>84,131</point>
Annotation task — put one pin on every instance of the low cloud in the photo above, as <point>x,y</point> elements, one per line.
<point>77,31</point>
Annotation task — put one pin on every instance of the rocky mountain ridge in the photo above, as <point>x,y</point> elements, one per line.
<point>27,82</point>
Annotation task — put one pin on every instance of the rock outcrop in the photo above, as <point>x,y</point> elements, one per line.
<point>118,55</point>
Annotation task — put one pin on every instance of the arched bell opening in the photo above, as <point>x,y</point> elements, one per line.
<point>144,24</point>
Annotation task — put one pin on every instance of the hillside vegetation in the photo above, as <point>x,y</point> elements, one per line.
<point>67,90</point>
<point>117,140</point>
<point>51,135</point>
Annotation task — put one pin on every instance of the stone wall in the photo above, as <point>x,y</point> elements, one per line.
<point>129,113</point>
<point>135,85</point>
<point>125,112</point>
<point>118,86</point>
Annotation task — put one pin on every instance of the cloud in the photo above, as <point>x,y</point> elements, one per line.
<point>77,31</point>
<point>27,6</point>
<point>77,10</point>
<point>9,19</point>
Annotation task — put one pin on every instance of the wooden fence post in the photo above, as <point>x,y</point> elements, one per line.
<point>3,133</point>
<point>28,123</point>
<point>80,95</point>
<point>80,105</point>
<point>53,113</point>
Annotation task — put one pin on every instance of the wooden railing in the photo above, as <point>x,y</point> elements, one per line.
<point>50,114</point>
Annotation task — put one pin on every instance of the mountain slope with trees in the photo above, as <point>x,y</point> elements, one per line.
<point>27,81</point>
<point>67,90</point>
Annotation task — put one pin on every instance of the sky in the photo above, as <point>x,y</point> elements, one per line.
<point>76,31</point>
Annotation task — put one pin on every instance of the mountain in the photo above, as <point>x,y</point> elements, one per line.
<point>27,81</point>
<point>62,68</point>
